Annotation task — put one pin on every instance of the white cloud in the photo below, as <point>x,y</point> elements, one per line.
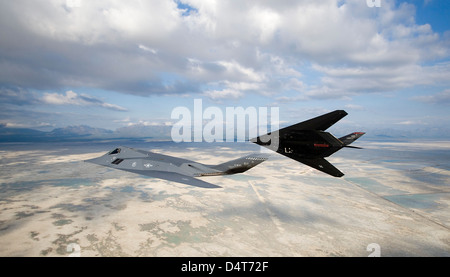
<point>223,94</point>
<point>148,49</point>
<point>145,123</point>
<point>28,125</point>
<point>72,98</point>
<point>411,123</point>
<point>265,22</point>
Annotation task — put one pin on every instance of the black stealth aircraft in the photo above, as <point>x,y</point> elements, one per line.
<point>306,142</point>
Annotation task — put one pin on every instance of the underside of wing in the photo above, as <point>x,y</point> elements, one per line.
<point>320,164</point>
<point>175,177</point>
<point>242,164</point>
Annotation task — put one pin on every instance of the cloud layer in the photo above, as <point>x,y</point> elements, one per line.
<point>218,48</point>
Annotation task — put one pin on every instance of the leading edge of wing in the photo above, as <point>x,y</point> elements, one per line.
<point>320,123</point>
<point>175,177</point>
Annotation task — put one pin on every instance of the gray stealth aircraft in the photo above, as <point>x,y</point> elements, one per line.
<point>306,142</point>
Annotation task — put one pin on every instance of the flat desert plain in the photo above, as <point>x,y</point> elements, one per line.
<point>393,201</point>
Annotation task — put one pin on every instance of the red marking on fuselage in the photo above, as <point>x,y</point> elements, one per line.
<point>321,145</point>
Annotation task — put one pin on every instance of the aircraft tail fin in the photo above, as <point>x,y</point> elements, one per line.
<point>348,139</point>
<point>241,164</point>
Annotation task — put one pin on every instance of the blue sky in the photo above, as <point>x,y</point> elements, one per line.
<point>114,64</point>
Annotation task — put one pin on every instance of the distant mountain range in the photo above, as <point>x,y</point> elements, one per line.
<point>87,133</point>
<point>83,133</point>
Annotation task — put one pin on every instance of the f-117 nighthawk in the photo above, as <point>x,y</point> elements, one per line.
<point>306,142</point>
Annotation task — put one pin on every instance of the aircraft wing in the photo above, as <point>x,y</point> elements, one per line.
<point>319,164</point>
<point>320,123</point>
<point>242,164</point>
<point>174,177</point>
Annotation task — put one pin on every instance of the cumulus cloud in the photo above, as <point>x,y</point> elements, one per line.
<point>212,47</point>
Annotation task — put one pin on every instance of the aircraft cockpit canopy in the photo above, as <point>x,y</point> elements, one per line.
<point>115,151</point>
